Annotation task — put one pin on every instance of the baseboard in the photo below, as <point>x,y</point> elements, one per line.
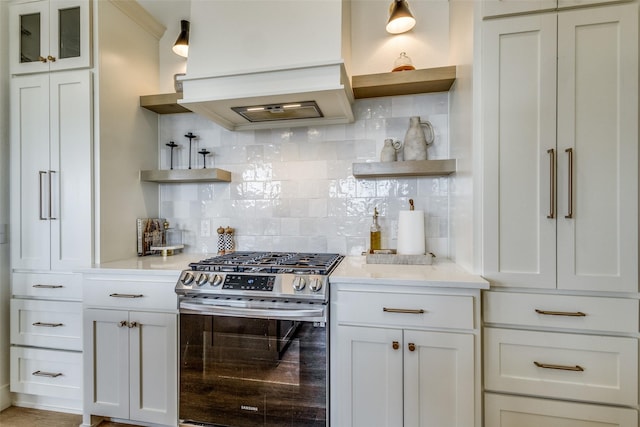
<point>5,397</point>
<point>47,403</point>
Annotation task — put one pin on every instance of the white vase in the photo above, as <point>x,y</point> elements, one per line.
<point>415,140</point>
<point>388,153</point>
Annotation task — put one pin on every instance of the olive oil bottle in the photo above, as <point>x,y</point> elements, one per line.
<point>374,234</point>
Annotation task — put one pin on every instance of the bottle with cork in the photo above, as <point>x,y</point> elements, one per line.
<point>374,233</point>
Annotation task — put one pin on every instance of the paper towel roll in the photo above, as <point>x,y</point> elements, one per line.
<point>411,233</point>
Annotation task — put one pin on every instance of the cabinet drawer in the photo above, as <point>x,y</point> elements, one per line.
<point>571,366</point>
<point>131,293</point>
<point>512,411</point>
<point>51,286</point>
<point>52,373</point>
<point>53,324</point>
<point>561,311</point>
<point>407,310</point>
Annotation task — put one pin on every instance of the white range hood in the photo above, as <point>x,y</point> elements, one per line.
<point>257,64</point>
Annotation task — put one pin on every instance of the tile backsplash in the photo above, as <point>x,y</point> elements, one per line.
<point>293,189</point>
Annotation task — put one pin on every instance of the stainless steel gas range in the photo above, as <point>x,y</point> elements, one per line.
<point>253,339</point>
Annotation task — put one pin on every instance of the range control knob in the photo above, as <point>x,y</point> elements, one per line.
<point>202,279</point>
<point>315,284</point>
<point>187,278</point>
<point>299,283</point>
<point>216,280</point>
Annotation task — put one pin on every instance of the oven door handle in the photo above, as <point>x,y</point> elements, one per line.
<point>302,314</point>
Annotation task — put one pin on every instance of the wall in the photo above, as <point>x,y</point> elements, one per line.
<point>5,400</point>
<point>292,189</point>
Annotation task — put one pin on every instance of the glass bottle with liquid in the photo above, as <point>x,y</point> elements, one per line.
<point>375,234</point>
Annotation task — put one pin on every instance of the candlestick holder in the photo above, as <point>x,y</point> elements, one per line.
<point>204,153</point>
<point>191,137</point>
<point>172,145</point>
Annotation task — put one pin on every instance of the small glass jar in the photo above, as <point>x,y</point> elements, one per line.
<point>403,63</point>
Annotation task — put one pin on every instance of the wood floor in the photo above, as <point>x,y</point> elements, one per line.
<point>26,417</point>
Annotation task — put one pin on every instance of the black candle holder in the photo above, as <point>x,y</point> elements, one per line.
<point>191,137</point>
<point>204,153</point>
<point>172,145</point>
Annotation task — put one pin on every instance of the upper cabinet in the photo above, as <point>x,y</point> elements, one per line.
<point>561,151</point>
<point>512,7</point>
<point>49,35</point>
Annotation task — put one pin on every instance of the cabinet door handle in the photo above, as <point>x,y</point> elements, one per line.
<point>395,345</point>
<point>47,325</point>
<point>561,313</point>
<point>47,286</point>
<point>40,173</point>
<point>576,368</point>
<point>46,374</point>
<point>42,59</point>
<point>50,195</point>
<point>122,324</point>
<point>51,58</point>
<point>126,295</point>
<point>569,214</point>
<point>412,346</point>
<point>133,325</point>
<point>402,310</point>
<point>552,183</point>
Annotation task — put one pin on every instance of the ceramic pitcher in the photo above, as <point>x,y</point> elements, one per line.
<point>415,140</point>
<point>388,153</point>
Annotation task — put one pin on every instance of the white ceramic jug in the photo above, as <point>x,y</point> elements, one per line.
<point>415,140</point>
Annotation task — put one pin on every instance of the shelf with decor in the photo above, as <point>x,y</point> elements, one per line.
<point>185,175</point>
<point>364,86</point>
<point>400,169</point>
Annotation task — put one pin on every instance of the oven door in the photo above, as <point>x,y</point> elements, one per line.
<point>244,367</point>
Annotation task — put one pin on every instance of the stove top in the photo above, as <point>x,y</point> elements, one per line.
<point>273,275</point>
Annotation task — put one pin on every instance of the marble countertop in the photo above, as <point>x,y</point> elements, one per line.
<point>157,264</point>
<point>443,273</point>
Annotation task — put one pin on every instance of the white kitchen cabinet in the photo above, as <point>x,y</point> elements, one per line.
<point>130,347</point>
<point>513,411</point>
<point>511,7</point>
<point>51,144</point>
<point>49,35</point>
<point>402,357</point>
<point>561,150</point>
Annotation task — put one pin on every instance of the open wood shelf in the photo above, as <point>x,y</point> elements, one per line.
<point>366,86</point>
<point>401,169</point>
<point>186,175</point>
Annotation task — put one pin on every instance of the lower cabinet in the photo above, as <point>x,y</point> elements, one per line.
<point>515,411</point>
<point>403,356</point>
<point>396,377</point>
<point>130,339</point>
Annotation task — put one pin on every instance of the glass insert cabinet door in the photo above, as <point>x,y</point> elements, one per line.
<point>49,35</point>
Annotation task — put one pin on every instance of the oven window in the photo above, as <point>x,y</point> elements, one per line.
<point>248,372</point>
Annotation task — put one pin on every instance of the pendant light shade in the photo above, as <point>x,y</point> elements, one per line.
<point>181,46</point>
<point>401,19</point>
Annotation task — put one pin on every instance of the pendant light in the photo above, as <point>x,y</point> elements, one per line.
<point>181,46</point>
<point>401,19</point>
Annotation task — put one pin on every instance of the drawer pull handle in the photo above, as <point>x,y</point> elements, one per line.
<point>48,286</point>
<point>402,310</point>
<point>561,313</point>
<point>47,374</point>
<point>47,325</point>
<point>395,345</point>
<point>576,368</point>
<point>126,295</point>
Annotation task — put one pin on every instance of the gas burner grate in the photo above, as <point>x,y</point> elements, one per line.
<point>270,262</point>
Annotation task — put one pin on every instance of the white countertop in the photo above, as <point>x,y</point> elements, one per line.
<point>157,264</point>
<point>443,274</point>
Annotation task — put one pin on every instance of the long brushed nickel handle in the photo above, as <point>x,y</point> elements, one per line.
<point>40,173</point>
<point>126,295</point>
<point>50,195</point>
<point>576,368</point>
<point>402,310</point>
<point>46,374</point>
<point>552,183</point>
<point>47,325</point>
<point>39,286</point>
<point>569,214</point>
<point>561,313</point>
